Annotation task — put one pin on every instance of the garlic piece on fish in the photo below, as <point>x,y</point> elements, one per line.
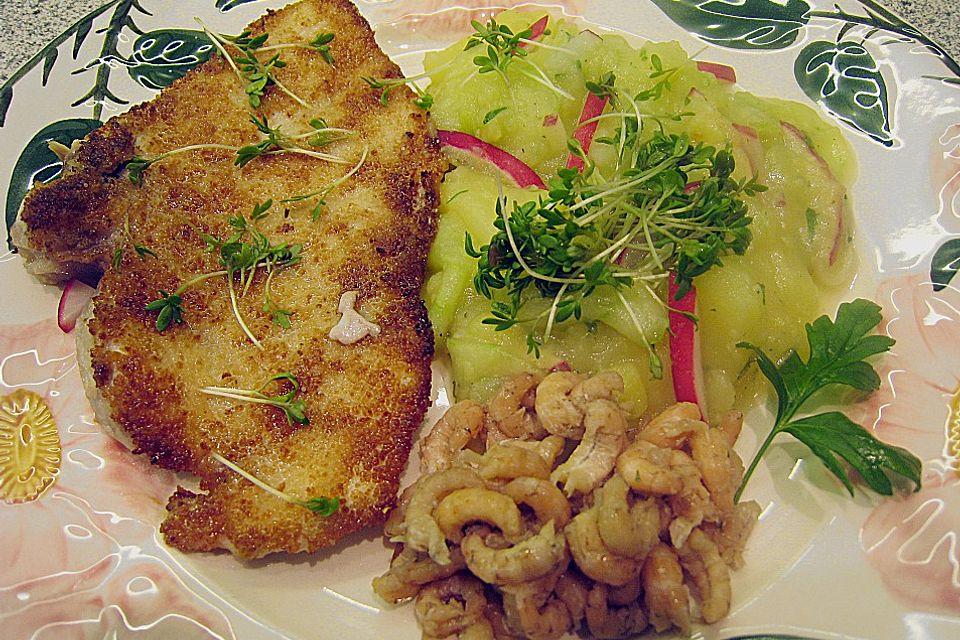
<point>352,326</point>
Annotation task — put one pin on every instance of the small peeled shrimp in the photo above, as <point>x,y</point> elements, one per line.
<point>626,529</point>
<point>646,467</point>
<point>546,621</point>
<point>450,606</point>
<point>673,426</point>
<point>572,589</point>
<point>546,500</point>
<point>460,424</point>
<point>476,504</point>
<point>394,527</point>
<point>528,560</point>
<point>420,531</point>
<point>563,396</point>
<point>625,594</point>
<point>409,570</point>
<point>533,609</point>
<point>607,385</point>
<point>731,534</point>
<point>556,409</point>
<point>593,557</point>
<point>507,461</point>
<point>510,412</point>
<point>701,560</point>
<point>596,455</point>
<point>549,448</point>
<point>666,597</point>
<point>497,620</point>
<point>731,423</point>
<point>692,505</point>
<point>606,621</point>
<point>711,453</point>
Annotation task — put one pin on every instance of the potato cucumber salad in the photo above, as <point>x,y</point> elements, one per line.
<point>629,215</point>
<point>741,196</point>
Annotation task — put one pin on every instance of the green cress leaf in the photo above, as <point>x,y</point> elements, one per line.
<point>322,44</point>
<point>740,24</point>
<point>838,349</point>
<point>168,308</point>
<point>162,56</point>
<point>945,264</point>
<point>493,113</point>
<point>564,246</point>
<point>37,163</point>
<point>295,410</point>
<point>322,506</point>
<point>846,80</point>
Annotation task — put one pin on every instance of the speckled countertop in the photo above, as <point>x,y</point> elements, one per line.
<point>30,24</point>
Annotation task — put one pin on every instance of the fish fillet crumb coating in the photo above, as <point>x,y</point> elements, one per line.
<point>364,401</point>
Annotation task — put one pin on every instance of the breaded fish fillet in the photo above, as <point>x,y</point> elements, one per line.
<point>363,400</point>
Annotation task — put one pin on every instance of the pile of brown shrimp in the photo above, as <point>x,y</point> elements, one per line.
<point>573,518</point>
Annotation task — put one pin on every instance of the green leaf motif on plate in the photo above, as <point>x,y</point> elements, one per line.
<point>945,264</point>
<point>740,24</point>
<point>160,57</point>
<point>226,5</point>
<point>38,163</point>
<point>845,78</point>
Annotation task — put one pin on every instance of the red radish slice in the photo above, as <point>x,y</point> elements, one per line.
<point>838,236</point>
<point>73,301</point>
<point>562,365</point>
<point>536,30</point>
<point>747,130</point>
<point>685,349</point>
<point>723,72</point>
<point>593,106</point>
<point>801,141</point>
<point>519,172</point>
<point>747,140</point>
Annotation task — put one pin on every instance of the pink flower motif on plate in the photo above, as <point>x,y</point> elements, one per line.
<point>945,173</point>
<point>83,559</point>
<point>913,541</point>
<point>437,23</point>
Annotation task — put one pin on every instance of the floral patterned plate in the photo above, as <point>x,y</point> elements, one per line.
<point>80,556</point>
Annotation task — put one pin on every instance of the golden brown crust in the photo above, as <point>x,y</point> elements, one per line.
<point>364,401</point>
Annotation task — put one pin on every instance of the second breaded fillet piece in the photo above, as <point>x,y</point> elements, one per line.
<point>365,400</point>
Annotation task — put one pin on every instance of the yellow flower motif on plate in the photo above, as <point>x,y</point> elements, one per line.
<point>29,447</point>
<point>953,428</point>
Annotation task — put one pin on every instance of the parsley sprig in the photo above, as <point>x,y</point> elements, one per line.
<point>241,255</point>
<point>672,205</point>
<point>322,506</point>
<point>293,408</point>
<point>838,353</point>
